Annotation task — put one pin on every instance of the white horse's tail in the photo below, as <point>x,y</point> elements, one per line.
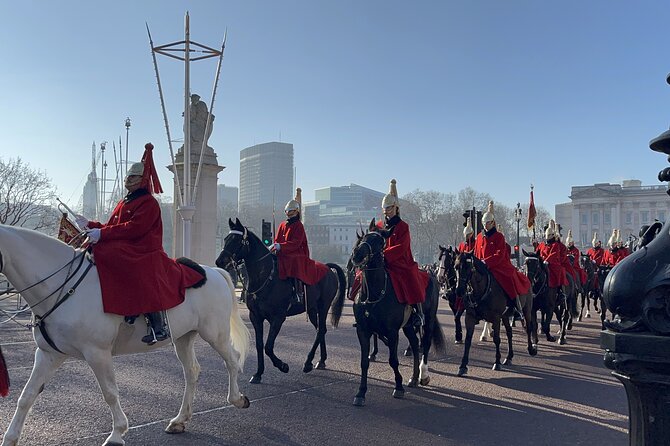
<point>239,333</point>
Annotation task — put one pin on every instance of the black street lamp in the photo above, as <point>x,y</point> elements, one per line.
<point>517,217</point>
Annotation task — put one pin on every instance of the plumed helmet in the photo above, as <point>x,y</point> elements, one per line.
<point>391,199</point>
<point>550,231</point>
<point>612,239</point>
<point>594,242</point>
<point>488,215</point>
<point>294,205</point>
<point>468,228</point>
<point>618,236</point>
<point>569,239</point>
<point>136,169</point>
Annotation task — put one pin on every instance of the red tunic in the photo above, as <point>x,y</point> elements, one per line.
<point>567,266</point>
<point>609,258</point>
<point>596,255</point>
<point>575,263</point>
<point>467,246</point>
<point>551,253</point>
<point>293,254</point>
<point>494,251</point>
<point>136,275</point>
<point>409,282</point>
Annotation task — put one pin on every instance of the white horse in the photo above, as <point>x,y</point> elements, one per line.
<point>42,269</point>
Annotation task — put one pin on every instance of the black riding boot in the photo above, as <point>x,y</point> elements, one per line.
<point>157,329</point>
<point>418,318</point>
<point>299,291</point>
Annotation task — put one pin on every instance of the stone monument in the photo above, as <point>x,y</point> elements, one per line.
<point>203,226</point>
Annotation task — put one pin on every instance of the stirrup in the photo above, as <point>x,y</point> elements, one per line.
<point>153,337</point>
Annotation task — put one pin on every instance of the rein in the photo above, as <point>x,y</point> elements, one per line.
<point>365,268</point>
<point>245,242</point>
<point>474,303</point>
<point>544,281</point>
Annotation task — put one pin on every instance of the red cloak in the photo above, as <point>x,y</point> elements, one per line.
<point>551,253</point>
<point>409,282</point>
<point>576,254</point>
<point>494,251</point>
<point>293,254</point>
<point>136,275</point>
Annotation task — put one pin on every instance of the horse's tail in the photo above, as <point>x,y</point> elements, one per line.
<point>4,376</point>
<point>338,303</point>
<point>437,335</point>
<point>239,333</point>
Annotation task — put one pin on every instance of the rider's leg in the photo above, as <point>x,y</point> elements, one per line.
<point>157,330</point>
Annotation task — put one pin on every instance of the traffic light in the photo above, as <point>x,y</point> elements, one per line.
<point>476,218</point>
<point>515,252</point>
<point>266,233</point>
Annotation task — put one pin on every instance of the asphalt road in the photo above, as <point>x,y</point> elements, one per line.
<point>564,396</point>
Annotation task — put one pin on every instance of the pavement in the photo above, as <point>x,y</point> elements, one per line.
<point>564,396</point>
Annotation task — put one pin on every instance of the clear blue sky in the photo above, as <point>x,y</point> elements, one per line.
<point>440,95</point>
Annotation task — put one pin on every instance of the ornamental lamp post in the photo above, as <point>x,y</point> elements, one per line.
<point>517,217</point>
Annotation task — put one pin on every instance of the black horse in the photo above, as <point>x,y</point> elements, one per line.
<point>547,300</point>
<point>591,289</point>
<point>485,299</point>
<point>377,311</point>
<point>446,276</point>
<point>269,298</point>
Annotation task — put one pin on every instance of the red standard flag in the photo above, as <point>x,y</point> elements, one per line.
<point>531,211</point>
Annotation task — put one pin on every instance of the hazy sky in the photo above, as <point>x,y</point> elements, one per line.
<point>441,95</point>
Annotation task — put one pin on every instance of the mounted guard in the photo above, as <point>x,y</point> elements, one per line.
<point>128,250</point>
<point>576,254</point>
<point>492,249</point>
<point>409,282</point>
<point>290,246</point>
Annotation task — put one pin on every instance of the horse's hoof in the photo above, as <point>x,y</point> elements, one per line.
<point>579,319</point>
<point>507,361</point>
<point>398,393</point>
<point>114,443</point>
<point>372,358</point>
<point>308,367</point>
<point>551,338</point>
<point>321,365</point>
<point>175,428</point>
<point>483,339</point>
<point>245,403</point>
<point>496,367</point>
<point>562,341</point>
<point>283,367</point>
<point>458,341</point>
<point>256,379</point>
<point>462,371</point>
<point>425,381</point>
<point>570,325</point>
<point>359,401</point>
<point>532,351</point>
<point>412,383</point>
<point>588,315</point>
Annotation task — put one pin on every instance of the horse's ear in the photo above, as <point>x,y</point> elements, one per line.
<point>372,225</point>
<point>237,222</point>
<point>231,225</point>
<point>442,248</point>
<point>456,251</point>
<point>359,235</point>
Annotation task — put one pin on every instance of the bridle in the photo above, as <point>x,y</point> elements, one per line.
<point>363,266</point>
<point>538,272</point>
<point>235,262</point>
<point>469,295</point>
<point>445,274</point>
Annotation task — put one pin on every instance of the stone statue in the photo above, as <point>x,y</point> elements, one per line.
<point>199,116</point>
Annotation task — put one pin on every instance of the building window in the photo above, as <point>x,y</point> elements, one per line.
<point>629,218</point>
<point>644,217</point>
<point>660,215</point>
<point>585,218</point>
<point>607,218</point>
<point>595,218</point>
<point>584,239</point>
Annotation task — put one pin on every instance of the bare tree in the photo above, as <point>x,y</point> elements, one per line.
<point>424,213</point>
<point>26,196</point>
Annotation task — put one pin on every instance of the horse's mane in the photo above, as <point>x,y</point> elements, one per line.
<point>32,234</point>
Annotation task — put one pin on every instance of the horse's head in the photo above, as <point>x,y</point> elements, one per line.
<point>535,271</point>
<point>467,266</point>
<point>235,245</point>
<point>445,264</point>
<point>369,248</point>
